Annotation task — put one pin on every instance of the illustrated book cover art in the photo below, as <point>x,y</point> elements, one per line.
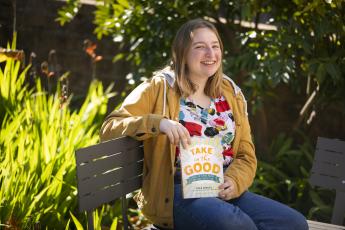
<point>202,167</point>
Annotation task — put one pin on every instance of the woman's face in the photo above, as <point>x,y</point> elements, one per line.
<point>204,55</point>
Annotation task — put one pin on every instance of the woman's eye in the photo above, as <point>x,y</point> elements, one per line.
<point>199,47</point>
<point>216,47</point>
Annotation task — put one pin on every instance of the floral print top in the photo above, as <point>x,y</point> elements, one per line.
<point>217,120</point>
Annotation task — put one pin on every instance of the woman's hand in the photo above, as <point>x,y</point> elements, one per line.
<point>228,189</point>
<point>175,131</point>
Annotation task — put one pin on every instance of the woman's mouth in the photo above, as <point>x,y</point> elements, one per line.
<point>208,62</point>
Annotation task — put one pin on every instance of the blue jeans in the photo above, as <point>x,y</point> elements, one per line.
<point>248,212</point>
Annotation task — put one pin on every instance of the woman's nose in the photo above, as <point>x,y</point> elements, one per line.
<point>209,51</point>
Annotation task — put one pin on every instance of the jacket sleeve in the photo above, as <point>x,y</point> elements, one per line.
<point>242,170</point>
<point>135,117</point>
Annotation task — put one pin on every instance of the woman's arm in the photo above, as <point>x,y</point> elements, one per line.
<point>135,117</point>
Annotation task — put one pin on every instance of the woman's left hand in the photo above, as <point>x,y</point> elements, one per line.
<point>227,189</point>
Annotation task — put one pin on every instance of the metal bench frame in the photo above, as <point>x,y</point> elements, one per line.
<point>106,172</point>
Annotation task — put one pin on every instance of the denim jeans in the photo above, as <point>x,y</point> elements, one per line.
<point>248,212</point>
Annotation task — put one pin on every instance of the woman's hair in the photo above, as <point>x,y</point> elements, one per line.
<point>180,48</point>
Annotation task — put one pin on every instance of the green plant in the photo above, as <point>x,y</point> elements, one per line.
<point>12,89</point>
<point>97,219</point>
<point>285,178</point>
<point>38,138</point>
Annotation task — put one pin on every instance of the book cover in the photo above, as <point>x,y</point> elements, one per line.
<point>202,167</point>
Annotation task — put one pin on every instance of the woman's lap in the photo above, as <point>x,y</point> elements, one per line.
<point>249,211</point>
<point>270,214</point>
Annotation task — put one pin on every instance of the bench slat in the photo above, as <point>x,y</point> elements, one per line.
<point>107,148</point>
<point>326,181</point>
<point>335,170</point>
<point>330,144</point>
<point>327,156</point>
<point>93,200</point>
<point>111,162</point>
<point>100,181</point>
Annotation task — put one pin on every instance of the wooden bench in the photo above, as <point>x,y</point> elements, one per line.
<point>328,171</point>
<point>106,172</point>
<point>110,170</point>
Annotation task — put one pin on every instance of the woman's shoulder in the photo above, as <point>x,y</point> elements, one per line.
<point>156,80</point>
<point>229,85</point>
<point>163,76</point>
<point>232,89</point>
<point>154,85</point>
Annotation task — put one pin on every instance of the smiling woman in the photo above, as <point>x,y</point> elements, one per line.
<point>204,56</point>
<point>197,52</point>
<point>193,99</point>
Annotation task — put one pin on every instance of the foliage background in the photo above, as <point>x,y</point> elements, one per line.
<point>287,56</point>
<point>289,52</point>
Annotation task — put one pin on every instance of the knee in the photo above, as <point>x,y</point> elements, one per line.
<point>236,220</point>
<point>303,224</point>
<point>299,222</point>
<point>239,224</point>
<point>246,225</point>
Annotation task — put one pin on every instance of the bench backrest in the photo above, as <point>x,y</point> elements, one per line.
<point>107,171</point>
<point>328,171</point>
<point>329,164</point>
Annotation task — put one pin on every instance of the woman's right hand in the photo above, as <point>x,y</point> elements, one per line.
<point>176,132</point>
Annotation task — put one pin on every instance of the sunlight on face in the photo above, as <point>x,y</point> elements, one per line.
<point>204,56</point>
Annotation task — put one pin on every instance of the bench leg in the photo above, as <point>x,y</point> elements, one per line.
<point>124,212</point>
<point>339,208</point>
<point>90,223</point>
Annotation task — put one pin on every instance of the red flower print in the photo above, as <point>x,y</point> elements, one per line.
<point>228,152</point>
<point>221,105</point>
<point>193,128</point>
<point>219,122</point>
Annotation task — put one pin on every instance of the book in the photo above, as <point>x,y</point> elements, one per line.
<point>202,167</point>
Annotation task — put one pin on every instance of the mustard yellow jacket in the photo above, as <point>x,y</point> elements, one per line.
<point>139,117</point>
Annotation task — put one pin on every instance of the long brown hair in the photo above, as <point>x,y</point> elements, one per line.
<point>180,48</point>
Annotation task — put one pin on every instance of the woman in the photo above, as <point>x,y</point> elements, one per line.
<point>194,98</point>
